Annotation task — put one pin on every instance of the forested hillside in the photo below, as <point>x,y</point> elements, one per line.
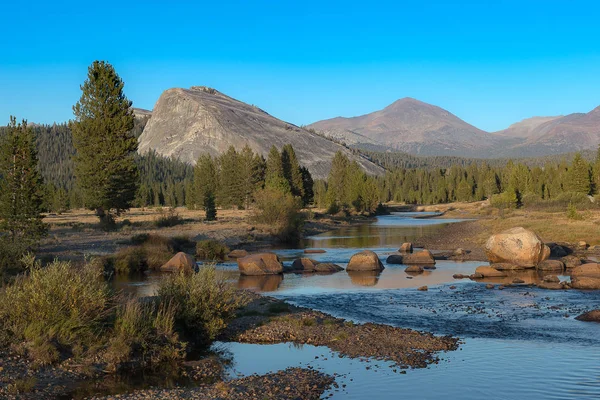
<point>163,180</point>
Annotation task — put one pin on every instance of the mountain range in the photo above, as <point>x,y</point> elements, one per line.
<point>415,127</point>
<point>186,123</point>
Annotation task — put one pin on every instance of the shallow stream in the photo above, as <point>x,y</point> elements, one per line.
<point>520,342</point>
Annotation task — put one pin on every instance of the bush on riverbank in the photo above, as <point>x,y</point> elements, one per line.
<point>281,213</point>
<point>63,312</point>
<point>56,309</point>
<point>211,250</point>
<point>144,335</point>
<point>203,302</point>
<point>148,252</point>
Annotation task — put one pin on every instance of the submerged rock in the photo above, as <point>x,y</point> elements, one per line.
<point>260,264</point>
<point>590,316</point>
<point>517,246</point>
<point>551,265</point>
<point>304,265</point>
<point>314,251</point>
<point>180,262</point>
<point>365,261</point>
<point>586,276</point>
<point>414,268</point>
<point>489,272</point>
<point>328,267</point>
<point>506,266</point>
<point>423,288</point>
<point>423,257</point>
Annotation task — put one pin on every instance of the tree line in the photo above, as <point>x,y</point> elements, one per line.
<point>233,178</point>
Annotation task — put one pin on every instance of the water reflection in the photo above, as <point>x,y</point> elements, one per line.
<point>364,278</point>
<point>263,283</point>
<point>388,230</point>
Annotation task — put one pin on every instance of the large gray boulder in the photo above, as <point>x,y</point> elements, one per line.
<point>260,264</point>
<point>517,246</point>
<point>365,261</point>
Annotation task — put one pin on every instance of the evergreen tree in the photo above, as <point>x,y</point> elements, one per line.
<point>338,179</point>
<point>230,180</point>
<point>291,170</point>
<point>247,171</point>
<point>274,175</point>
<point>21,191</point>
<point>307,186</point>
<point>104,164</point>
<point>209,206</point>
<point>596,188</point>
<point>206,180</point>
<point>578,176</point>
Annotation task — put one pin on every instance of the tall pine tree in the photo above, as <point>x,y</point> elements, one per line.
<point>291,170</point>
<point>578,176</point>
<point>104,164</point>
<point>274,174</point>
<point>21,189</point>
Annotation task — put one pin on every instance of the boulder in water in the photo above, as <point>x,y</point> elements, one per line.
<point>517,246</point>
<point>406,248</point>
<point>590,316</point>
<point>180,262</point>
<point>586,276</point>
<point>260,264</point>
<point>365,261</point>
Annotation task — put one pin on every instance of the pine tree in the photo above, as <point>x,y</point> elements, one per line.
<point>338,179</point>
<point>578,176</point>
<point>274,176</point>
<point>247,173</point>
<point>307,186</point>
<point>21,189</point>
<point>597,173</point>
<point>209,206</point>
<point>230,181</point>
<point>104,165</point>
<point>206,180</point>
<point>291,170</point>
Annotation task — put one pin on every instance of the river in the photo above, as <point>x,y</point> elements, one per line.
<point>520,342</point>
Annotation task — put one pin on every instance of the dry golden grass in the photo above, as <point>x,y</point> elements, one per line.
<point>550,226</point>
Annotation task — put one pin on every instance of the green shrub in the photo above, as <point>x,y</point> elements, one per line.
<point>130,260</point>
<point>281,212</point>
<point>572,212</point>
<point>211,250</point>
<point>168,218</point>
<point>149,252</point>
<point>54,308</point>
<point>10,259</point>
<point>506,199</point>
<point>204,303</point>
<point>144,335</point>
<point>333,208</point>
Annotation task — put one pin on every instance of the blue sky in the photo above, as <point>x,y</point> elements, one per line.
<point>489,62</point>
